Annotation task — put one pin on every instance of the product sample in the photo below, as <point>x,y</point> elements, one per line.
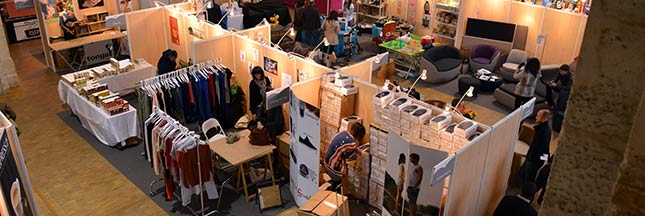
<point>380,100</point>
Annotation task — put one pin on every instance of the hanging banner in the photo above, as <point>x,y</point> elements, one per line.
<point>277,97</point>
<point>304,150</point>
<point>527,108</point>
<point>15,197</point>
<point>174,30</point>
<point>98,52</point>
<point>27,29</point>
<point>443,170</point>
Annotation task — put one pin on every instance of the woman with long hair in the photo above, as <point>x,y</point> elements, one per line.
<point>258,87</point>
<point>399,185</point>
<point>331,28</point>
<point>528,77</point>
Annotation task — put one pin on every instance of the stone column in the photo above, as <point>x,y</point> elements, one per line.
<point>8,77</point>
<point>587,177</point>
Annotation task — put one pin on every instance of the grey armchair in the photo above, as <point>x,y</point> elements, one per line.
<point>484,56</point>
<point>443,63</point>
<point>515,58</point>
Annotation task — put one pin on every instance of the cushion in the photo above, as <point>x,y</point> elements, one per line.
<point>447,64</point>
<point>510,66</point>
<point>508,88</point>
<point>481,60</point>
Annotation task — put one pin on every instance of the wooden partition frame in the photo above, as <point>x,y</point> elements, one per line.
<point>216,47</point>
<point>308,90</point>
<point>182,47</point>
<point>498,162</point>
<point>263,29</point>
<point>560,39</point>
<point>286,65</point>
<point>243,44</point>
<point>467,176</point>
<point>310,67</point>
<point>145,38</point>
<point>361,70</point>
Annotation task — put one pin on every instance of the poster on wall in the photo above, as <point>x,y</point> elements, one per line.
<point>49,9</point>
<point>304,149</point>
<point>85,4</point>
<point>125,6</point>
<point>270,65</point>
<point>98,52</point>
<point>174,30</point>
<point>302,74</point>
<point>408,177</point>
<point>15,196</point>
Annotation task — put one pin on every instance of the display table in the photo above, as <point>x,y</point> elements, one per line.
<point>404,55</point>
<point>489,82</point>
<point>240,153</point>
<point>109,130</point>
<point>89,50</point>
<point>124,83</point>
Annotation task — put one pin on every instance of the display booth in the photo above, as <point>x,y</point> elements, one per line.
<point>16,194</point>
<point>553,35</point>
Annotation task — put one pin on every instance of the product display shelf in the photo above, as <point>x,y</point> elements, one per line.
<point>371,11</point>
<point>446,31</point>
<point>335,106</point>
<point>95,23</point>
<point>378,150</point>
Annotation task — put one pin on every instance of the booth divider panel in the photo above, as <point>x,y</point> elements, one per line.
<point>220,47</point>
<point>468,8</point>
<point>310,68</point>
<point>364,106</point>
<point>255,32</point>
<point>531,16</point>
<point>561,30</point>
<point>308,91</point>
<point>285,65</point>
<point>361,70</point>
<point>498,162</point>
<point>198,28</point>
<point>580,37</point>
<point>493,10</point>
<point>242,71</point>
<point>146,34</point>
<point>181,36</point>
<point>466,178</point>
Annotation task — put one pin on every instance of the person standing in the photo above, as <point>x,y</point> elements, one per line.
<point>399,185</point>
<point>342,147</point>
<point>331,28</point>
<point>258,87</point>
<point>414,183</point>
<point>310,24</point>
<point>168,62</point>
<point>542,179</point>
<point>69,25</point>
<point>519,205</point>
<point>539,150</point>
<point>528,77</point>
<point>297,22</point>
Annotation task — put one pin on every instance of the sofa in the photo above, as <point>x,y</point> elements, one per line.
<point>443,64</point>
<point>514,59</point>
<point>505,95</point>
<point>484,56</point>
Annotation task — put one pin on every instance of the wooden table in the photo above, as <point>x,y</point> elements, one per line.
<point>240,153</point>
<point>57,47</point>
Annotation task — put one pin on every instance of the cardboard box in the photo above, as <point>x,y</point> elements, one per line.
<point>325,203</point>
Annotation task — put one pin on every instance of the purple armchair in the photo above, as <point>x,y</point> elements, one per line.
<point>484,56</point>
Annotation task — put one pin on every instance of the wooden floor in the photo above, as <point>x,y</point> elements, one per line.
<point>69,177</point>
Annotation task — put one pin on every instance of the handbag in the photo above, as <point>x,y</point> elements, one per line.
<point>259,137</point>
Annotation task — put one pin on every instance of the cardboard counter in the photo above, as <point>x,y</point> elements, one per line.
<point>325,203</point>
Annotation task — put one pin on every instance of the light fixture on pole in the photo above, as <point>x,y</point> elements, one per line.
<point>229,12</point>
<point>159,4</point>
<point>324,41</point>
<point>291,32</point>
<point>469,93</point>
<point>424,76</point>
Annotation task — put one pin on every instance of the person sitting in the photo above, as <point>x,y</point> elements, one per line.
<point>561,85</point>
<point>167,63</point>
<point>69,25</point>
<point>342,147</point>
<point>519,205</point>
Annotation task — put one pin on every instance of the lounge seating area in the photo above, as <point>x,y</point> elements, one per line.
<point>443,63</point>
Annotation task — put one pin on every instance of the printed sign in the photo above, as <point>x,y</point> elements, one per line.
<point>98,52</point>
<point>174,30</point>
<point>527,109</point>
<point>15,196</point>
<point>27,29</point>
<point>304,150</point>
<point>443,170</point>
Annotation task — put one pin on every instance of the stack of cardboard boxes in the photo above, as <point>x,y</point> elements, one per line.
<point>358,173</point>
<point>463,131</point>
<point>380,100</point>
<point>393,113</point>
<point>378,150</point>
<point>446,137</point>
<point>417,119</point>
<point>432,128</point>
<point>406,118</point>
<point>334,107</point>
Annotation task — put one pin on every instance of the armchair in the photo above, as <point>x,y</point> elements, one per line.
<point>484,56</point>
<point>442,63</point>
<point>515,58</point>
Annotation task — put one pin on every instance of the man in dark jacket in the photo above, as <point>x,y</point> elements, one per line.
<point>297,22</point>
<point>539,149</point>
<point>167,62</point>
<point>542,179</point>
<point>519,205</point>
<point>310,24</point>
<point>214,13</point>
<point>561,85</point>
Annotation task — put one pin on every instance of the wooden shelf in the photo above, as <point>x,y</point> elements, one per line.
<point>372,16</point>
<point>444,36</point>
<point>373,6</point>
<point>448,11</point>
<point>446,24</point>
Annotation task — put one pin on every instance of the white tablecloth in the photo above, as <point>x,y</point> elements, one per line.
<point>125,83</point>
<point>109,130</point>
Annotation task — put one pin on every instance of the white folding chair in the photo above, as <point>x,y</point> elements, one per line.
<point>210,124</point>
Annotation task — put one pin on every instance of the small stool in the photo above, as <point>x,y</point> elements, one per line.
<point>466,82</point>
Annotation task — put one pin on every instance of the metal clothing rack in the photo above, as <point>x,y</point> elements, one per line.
<point>176,123</point>
<point>179,72</point>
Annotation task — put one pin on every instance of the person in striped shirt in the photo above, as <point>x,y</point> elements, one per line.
<point>343,146</point>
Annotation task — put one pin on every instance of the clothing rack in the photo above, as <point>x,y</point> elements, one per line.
<point>156,79</point>
<point>162,115</point>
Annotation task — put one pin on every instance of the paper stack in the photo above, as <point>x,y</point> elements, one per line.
<point>393,113</point>
<point>432,129</point>
<point>463,131</point>
<point>380,100</point>
<point>376,195</point>
<point>446,137</point>
<point>377,180</point>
